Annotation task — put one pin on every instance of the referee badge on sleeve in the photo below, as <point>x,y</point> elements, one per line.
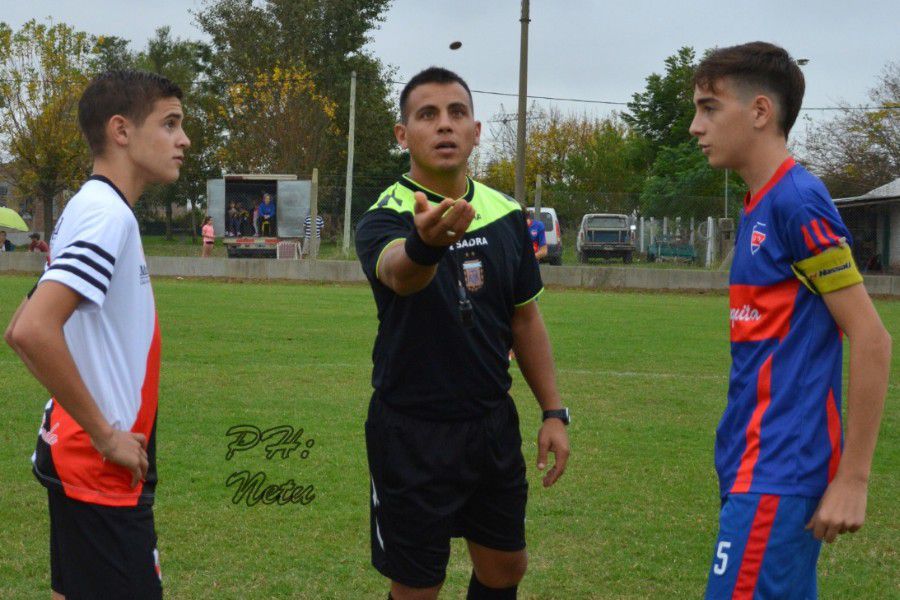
<point>474,274</point>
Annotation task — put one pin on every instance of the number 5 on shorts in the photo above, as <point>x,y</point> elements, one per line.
<point>721,554</point>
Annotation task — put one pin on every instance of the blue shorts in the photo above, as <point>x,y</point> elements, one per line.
<point>764,549</point>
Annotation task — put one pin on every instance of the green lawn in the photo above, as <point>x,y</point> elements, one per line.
<point>634,516</point>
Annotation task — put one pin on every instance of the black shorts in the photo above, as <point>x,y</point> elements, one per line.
<point>433,480</point>
<point>102,551</point>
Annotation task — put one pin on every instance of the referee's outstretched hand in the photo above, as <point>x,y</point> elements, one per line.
<point>552,437</point>
<point>443,224</point>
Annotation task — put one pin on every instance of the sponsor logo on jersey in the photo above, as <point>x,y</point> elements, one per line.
<point>745,313</point>
<point>469,243</point>
<point>473,271</point>
<point>757,237</point>
<point>145,275</point>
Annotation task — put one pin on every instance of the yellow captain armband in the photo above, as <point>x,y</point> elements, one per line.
<point>832,270</point>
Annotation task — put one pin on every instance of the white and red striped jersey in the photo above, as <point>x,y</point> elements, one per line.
<point>114,339</point>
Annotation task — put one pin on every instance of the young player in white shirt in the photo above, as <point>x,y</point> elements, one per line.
<point>88,332</point>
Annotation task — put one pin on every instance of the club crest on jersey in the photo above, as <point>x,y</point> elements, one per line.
<point>473,271</point>
<point>757,237</point>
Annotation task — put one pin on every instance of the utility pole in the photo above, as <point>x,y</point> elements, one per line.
<point>523,101</point>
<point>726,193</point>
<point>348,194</point>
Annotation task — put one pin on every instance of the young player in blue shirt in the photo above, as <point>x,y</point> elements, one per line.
<point>786,479</point>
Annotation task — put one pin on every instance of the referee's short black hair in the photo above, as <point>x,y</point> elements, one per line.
<point>431,75</point>
<point>128,93</point>
<point>759,66</point>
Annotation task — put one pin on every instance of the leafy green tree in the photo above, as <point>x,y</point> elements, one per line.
<point>321,39</point>
<point>682,184</point>
<point>662,113</point>
<point>110,53</point>
<point>42,74</point>
<point>859,150</point>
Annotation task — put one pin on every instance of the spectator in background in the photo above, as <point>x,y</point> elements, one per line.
<point>37,244</point>
<point>244,225</point>
<point>307,233</point>
<point>5,244</point>
<point>233,226</point>
<point>265,221</point>
<point>209,237</point>
<point>538,233</point>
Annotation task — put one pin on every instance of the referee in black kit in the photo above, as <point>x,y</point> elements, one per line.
<point>455,281</point>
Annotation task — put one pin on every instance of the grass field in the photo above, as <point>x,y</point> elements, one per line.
<point>634,516</point>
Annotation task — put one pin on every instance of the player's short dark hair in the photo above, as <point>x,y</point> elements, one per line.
<point>431,75</point>
<point>128,93</point>
<point>761,66</point>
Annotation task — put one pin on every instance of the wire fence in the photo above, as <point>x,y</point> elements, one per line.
<point>694,230</point>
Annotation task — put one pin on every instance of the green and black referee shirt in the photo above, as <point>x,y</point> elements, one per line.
<point>426,363</point>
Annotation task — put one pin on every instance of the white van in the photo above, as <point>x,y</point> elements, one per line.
<point>554,235</point>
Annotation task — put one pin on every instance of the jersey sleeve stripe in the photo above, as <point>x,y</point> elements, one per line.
<point>78,272</point>
<point>532,299</point>
<point>828,231</point>
<point>819,235</point>
<point>96,249</point>
<point>809,241</point>
<point>390,244</point>
<point>91,263</point>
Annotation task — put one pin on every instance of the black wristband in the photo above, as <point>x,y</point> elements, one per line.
<point>421,253</point>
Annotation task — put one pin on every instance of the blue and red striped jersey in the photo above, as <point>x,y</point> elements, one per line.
<point>781,430</point>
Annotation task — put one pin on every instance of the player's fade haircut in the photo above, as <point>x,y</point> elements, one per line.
<point>759,66</point>
<point>128,93</point>
<point>431,75</point>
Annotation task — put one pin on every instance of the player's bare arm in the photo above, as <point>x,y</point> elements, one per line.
<point>437,226</point>
<point>532,347</point>
<point>843,507</point>
<point>9,338</point>
<point>541,253</point>
<point>36,334</point>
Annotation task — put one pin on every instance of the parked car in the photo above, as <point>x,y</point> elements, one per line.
<point>605,236</point>
<point>554,235</point>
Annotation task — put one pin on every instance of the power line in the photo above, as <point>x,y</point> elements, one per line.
<point>488,93</point>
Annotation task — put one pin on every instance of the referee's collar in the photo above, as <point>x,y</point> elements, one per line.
<point>408,182</point>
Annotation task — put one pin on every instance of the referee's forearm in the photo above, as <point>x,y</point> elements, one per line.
<point>401,274</point>
<point>534,355</point>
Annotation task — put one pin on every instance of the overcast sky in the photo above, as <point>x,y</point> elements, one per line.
<point>586,49</point>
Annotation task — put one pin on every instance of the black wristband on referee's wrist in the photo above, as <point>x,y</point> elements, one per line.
<point>421,253</point>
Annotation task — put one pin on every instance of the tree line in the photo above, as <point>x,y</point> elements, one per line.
<point>269,92</point>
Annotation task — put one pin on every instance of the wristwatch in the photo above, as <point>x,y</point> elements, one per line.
<point>562,414</point>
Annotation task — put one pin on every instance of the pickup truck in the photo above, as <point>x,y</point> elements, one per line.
<point>604,235</point>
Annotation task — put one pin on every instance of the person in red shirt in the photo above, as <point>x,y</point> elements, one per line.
<point>37,244</point>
